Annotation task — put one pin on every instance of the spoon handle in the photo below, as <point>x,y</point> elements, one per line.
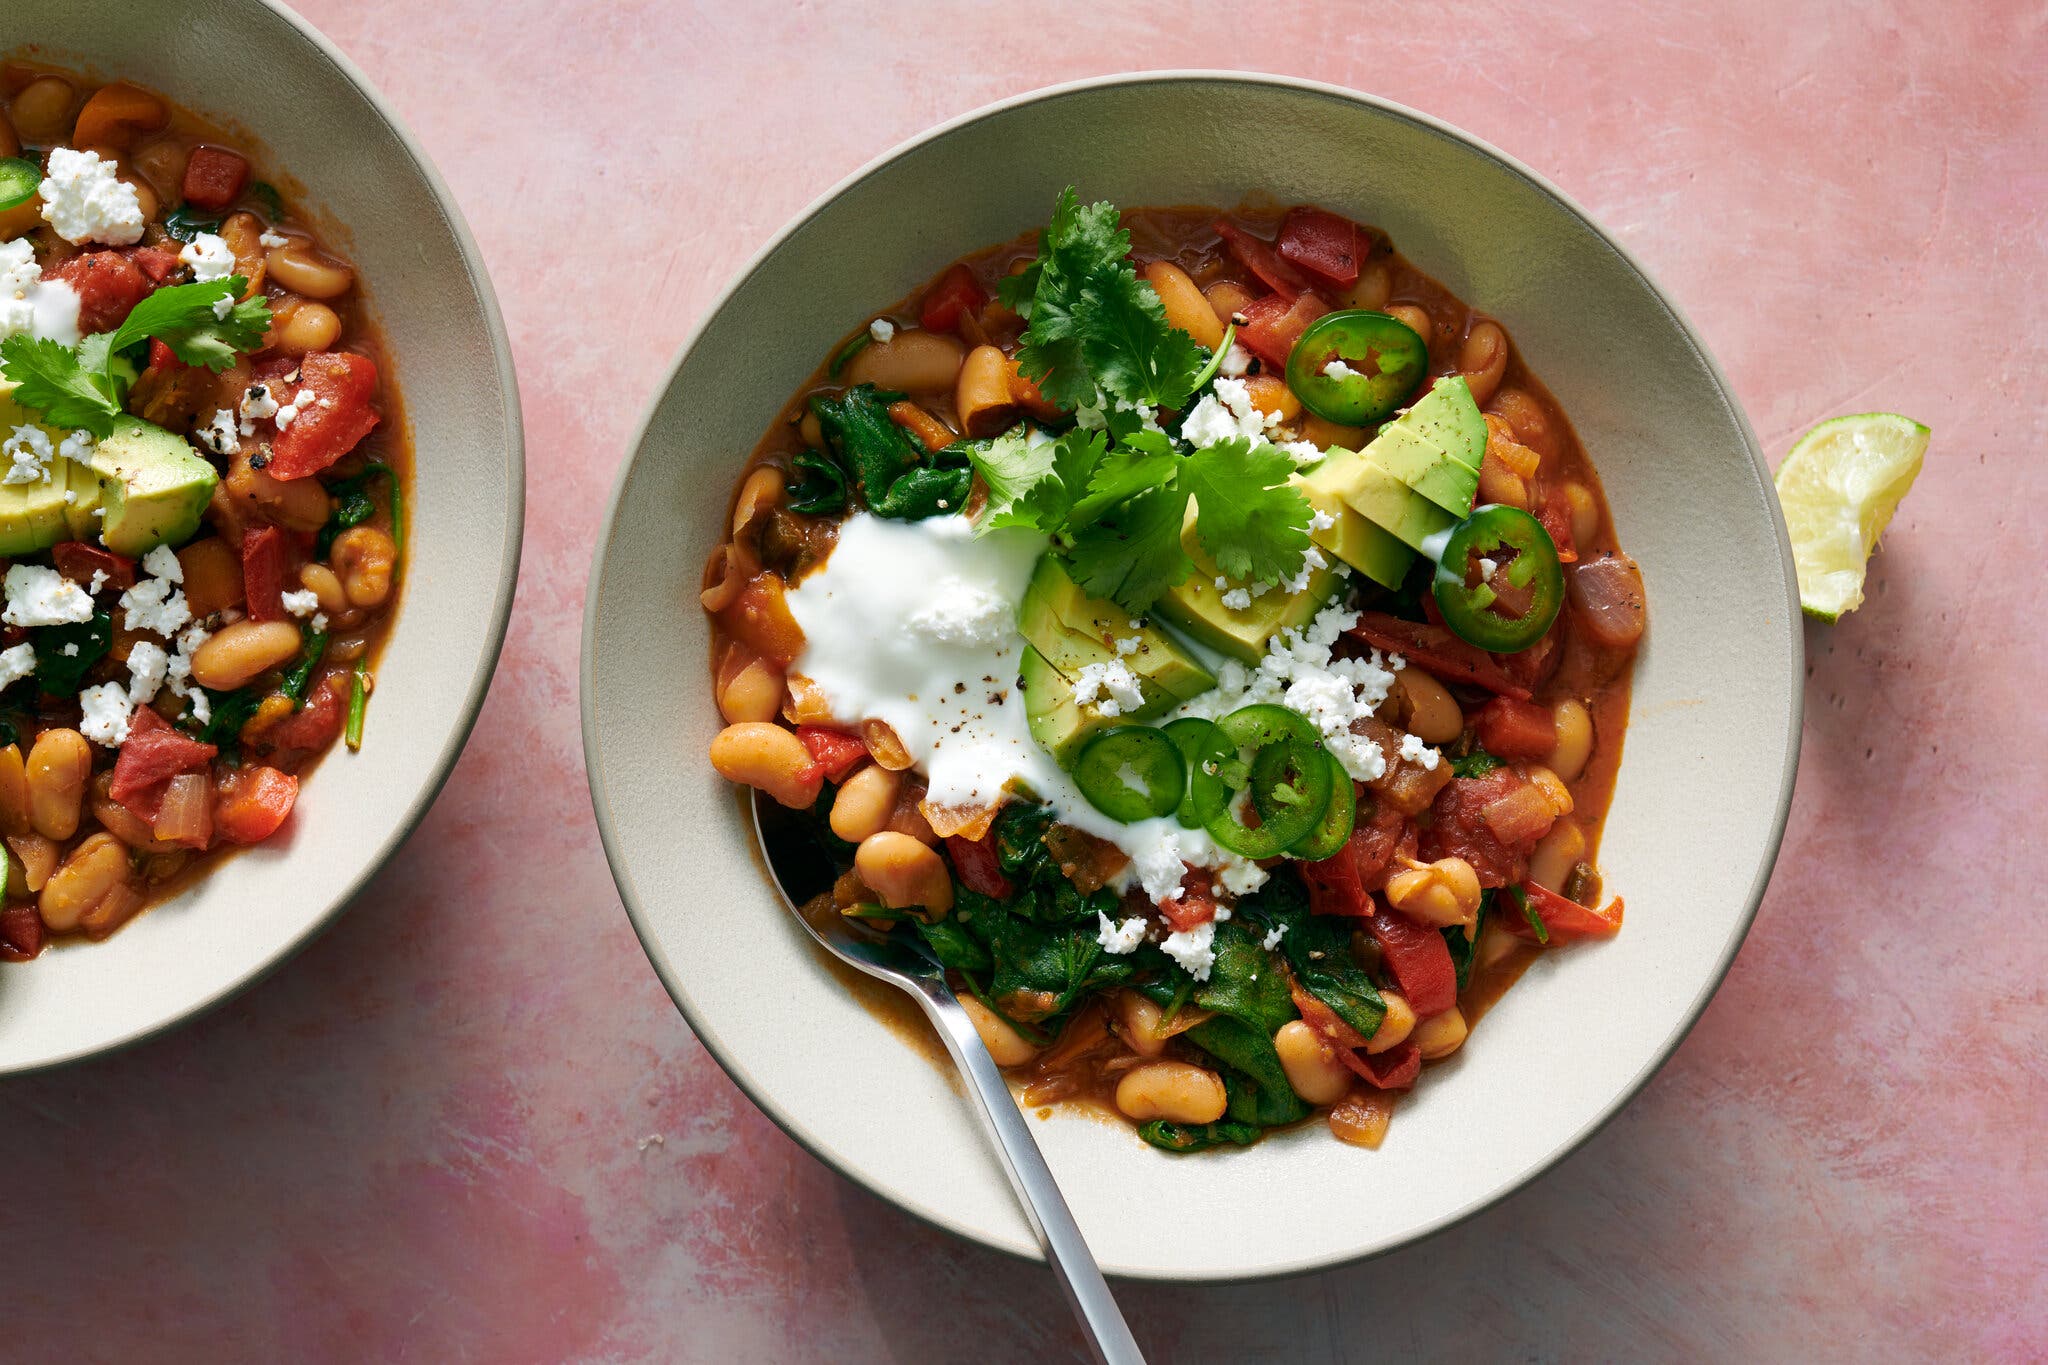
<point>1073,1264</point>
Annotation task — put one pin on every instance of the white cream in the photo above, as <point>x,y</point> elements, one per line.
<point>874,650</point>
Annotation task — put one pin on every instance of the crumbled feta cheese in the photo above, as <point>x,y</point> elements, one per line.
<point>157,603</point>
<point>70,651</point>
<point>85,201</point>
<point>1129,645</point>
<point>1273,937</point>
<point>287,413</point>
<point>1237,599</point>
<point>16,663</point>
<point>1159,867</point>
<point>1415,751</point>
<point>304,602</point>
<point>319,623</point>
<point>258,403</point>
<point>19,274</point>
<point>223,306</point>
<point>1193,949</point>
<point>270,238</point>
<point>882,330</point>
<point>1311,561</point>
<point>1487,569</point>
<point>1319,520</point>
<point>219,435</point>
<point>99,580</point>
<point>1337,369</point>
<point>1239,877</point>
<point>962,613</point>
<point>43,597</point>
<point>106,713</point>
<point>178,673</point>
<point>30,450</point>
<point>209,257</point>
<point>1119,938</point>
<point>1226,413</point>
<point>1237,362</point>
<point>78,446</point>
<point>148,665</point>
<point>1304,453</point>
<point>1110,687</point>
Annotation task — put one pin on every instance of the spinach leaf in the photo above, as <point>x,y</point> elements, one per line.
<point>228,713</point>
<point>185,222</point>
<point>819,488</point>
<point>266,194</point>
<point>353,505</point>
<point>1181,1137</point>
<point>1318,948</point>
<point>62,674</point>
<point>1478,763</point>
<point>1535,920</point>
<point>1020,840</point>
<point>887,463</point>
<point>954,946</point>
<point>1060,960</point>
<point>299,676</point>
<point>1252,1076</point>
<point>1463,949</point>
<point>1245,982</point>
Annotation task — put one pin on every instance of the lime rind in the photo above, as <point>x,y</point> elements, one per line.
<point>1838,489</point>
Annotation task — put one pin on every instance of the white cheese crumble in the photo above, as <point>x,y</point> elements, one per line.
<point>1119,938</point>
<point>209,257</point>
<point>19,274</point>
<point>268,238</point>
<point>1129,645</point>
<point>882,330</point>
<point>1487,569</point>
<point>223,306</point>
<point>1226,413</point>
<point>1193,949</point>
<point>258,403</point>
<point>1414,750</point>
<point>16,663</point>
<point>1109,686</point>
<point>79,446</point>
<point>157,603</point>
<point>304,602</point>
<point>85,201</point>
<point>1319,520</point>
<point>1311,560</point>
<point>1159,867</point>
<point>106,711</point>
<point>1237,362</point>
<point>29,451</point>
<point>220,435</point>
<point>148,665</point>
<point>1337,369</point>
<point>962,613</point>
<point>287,413</point>
<point>1273,937</point>
<point>43,597</point>
<point>178,673</point>
<point>1237,599</point>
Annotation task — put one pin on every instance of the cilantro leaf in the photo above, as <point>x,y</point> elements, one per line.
<point>50,380</point>
<point>1250,520</point>
<point>1145,461</point>
<point>1096,330</point>
<point>182,316</point>
<point>1013,465</point>
<point>1134,554</point>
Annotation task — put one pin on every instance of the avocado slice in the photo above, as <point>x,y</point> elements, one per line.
<point>1436,446</point>
<point>81,514</point>
<point>1364,545</point>
<point>1197,607</point>
<point>1377,496</point>
<point>31,514</point>
<point>155,487</point>
<point>1070,630</point>
<point>1058,723</point>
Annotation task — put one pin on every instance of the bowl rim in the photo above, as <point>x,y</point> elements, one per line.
<point>600,798</point>
<point>501,606</point>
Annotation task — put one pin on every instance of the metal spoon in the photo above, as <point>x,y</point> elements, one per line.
<point>800,873</point>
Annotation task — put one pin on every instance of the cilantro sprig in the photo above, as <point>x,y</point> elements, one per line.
<point>82,387</point>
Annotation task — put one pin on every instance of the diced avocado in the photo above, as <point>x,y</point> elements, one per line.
<point>1057,722</point>
<point>1362,544</point>
<point>31,514</point>
<point>1379,497</point>
<point>155,487</point>
<point>1436,446</point>
<point>81,513</point>
<point>1196,605</point>
<point>1071,630</point>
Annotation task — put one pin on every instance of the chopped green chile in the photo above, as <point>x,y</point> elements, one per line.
<point>18,180</point>
<point>1385,362</point>
<point>1288,780</point>
<point>1331,832</point>
<point>1496,556</point>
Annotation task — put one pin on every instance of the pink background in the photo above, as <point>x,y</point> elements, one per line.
<point>468,1123</point>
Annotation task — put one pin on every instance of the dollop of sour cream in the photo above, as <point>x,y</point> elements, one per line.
<point>915,623</point>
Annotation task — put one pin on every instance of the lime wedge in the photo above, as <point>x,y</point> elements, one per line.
<point>1839,488</point>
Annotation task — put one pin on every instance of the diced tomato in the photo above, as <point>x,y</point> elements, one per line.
<point>1516,729</point>
<point>1323,244</point>
<point>1564,920</point>
<point>162,358</point>
<point>214,177</point>
<point>21,933</point>
<point>150,757</point>
<point>1263,261</point>
<point>1532,667</point>
<point>1343,883</point>
<point>1556,516</point>
<point>250,803</point>
<point>156,263</point>
<point>836,752</point>
<point>313,726</point>
<point>1458,828</point>
<point>975,863</point>
<point>1273,324</point>
<point>263,555</point>
<point>108,285</point>
<point>78,562</point>
<point>1419,959</point>
<point>1394,1069</point>
<point>329,425</point>
<point>1438,650</point>
<point>1194,907</point>
<point>956,294</point>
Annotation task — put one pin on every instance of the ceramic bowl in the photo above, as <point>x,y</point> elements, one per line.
<point>1704,784</point>
<point>312,115</point>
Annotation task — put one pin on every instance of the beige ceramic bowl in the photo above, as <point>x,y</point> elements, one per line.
<point>1703,789</point>
<point>312,114</point>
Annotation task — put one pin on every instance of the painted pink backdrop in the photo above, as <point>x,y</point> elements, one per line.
<point>468,1124</point>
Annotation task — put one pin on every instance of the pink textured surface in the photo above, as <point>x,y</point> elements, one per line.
<point>468,1124</point>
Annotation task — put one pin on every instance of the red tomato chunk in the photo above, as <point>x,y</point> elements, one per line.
<point>335,417</point>
<point>1323,244</point>
<point>214,178</point>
